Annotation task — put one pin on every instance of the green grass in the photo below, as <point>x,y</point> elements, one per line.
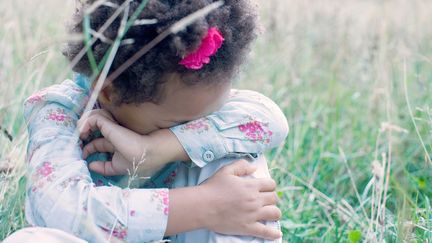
<point>336,68</point>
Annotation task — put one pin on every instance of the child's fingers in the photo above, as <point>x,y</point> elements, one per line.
<point>240,168</point>
<point>100,145</point>
<point>104,168</point>
<point>97,122</point>
<point>269,198</point>
<point>267,232</point>
<point>269,213</point>
<point>88,124</point>
<point>123,139</point>
<point>92,121</point>
<point>84,127</point>
<point>266,185</point>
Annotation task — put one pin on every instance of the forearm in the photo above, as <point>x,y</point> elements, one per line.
<point>247,125</point>
<point>165,148</point>
<point>60,186</point>
<point>61,192</point>
<point>183,201</point>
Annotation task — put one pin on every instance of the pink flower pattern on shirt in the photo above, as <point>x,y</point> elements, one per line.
<point>46,169</point>
<point>256,131</point>
<point>119,232</point>
<point>44,173</point>
<point>199,126</point>
<point>34,99</point>
<point>162,199</point>
<point>59,116</point>
<point>72,181</point>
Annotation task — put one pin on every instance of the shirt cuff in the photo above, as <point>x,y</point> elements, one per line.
<point>148,214</point>
<point>201,141</point>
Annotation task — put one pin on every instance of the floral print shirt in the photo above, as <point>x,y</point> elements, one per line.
<point>63,194</point>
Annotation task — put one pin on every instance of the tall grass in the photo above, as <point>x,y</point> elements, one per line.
<point>353,164</point>
<point>354,79</point>
<point>30,37</point>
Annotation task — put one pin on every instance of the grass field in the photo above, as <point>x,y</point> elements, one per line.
<point>354,79</point>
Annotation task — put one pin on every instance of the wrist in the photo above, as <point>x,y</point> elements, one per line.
<point>206,208</point>
<point>182,202</point>
<point>167,147</point>
<point>202,215</point>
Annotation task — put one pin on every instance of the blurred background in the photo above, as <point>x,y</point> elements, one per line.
<point>354,79</point>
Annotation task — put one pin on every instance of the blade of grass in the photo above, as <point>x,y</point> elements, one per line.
<point>412,114</point>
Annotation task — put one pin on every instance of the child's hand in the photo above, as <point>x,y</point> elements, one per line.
<point>125,145</point>
<point>227,203</point>
<point>132,152</point>
<point>254,201</point>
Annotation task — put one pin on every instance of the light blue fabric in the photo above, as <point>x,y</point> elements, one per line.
<point>63,194</point>
<point>248,124</point>
<point>38,234</point>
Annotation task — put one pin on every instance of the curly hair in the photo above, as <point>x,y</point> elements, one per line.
<point>142,81</point>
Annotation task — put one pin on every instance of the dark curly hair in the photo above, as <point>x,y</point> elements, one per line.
<point>141,82</point>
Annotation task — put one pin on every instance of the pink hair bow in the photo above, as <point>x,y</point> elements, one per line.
<point>209,46</point>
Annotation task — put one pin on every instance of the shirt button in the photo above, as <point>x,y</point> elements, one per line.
<point>208,156</point>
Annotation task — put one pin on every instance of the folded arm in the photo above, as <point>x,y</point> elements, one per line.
<point>60,191</point>
<point>248,124</point>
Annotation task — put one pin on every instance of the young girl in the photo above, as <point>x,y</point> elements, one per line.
<point>185,77</point>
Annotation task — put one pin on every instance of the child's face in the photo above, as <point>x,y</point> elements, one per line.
<point>180,103</point>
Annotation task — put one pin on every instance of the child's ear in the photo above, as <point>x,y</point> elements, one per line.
<point>106,95</point>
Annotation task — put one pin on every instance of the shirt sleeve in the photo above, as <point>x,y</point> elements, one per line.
<point>61,193</point>
<point>248,124</point>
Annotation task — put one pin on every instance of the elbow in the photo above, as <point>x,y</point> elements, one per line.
<point>284,128</point>
<point>43,210</point>
<point>267,112</point>
<point>280,126</point>
<point>277,122</point>
<point>46,205</point>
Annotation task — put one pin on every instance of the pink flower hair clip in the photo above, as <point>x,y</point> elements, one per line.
<point>209,46</point>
